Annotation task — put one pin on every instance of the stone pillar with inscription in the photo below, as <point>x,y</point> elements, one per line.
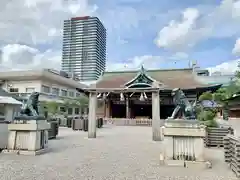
<point>156,129</point>
<point>92,115</point>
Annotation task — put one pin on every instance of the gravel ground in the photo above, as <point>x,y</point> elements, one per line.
<point>117,153</point>
<point>236,125</point>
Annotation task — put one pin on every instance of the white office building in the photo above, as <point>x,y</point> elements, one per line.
<point>49,83</point>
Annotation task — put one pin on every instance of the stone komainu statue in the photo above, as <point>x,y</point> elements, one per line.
<point>183,106</point>
<point>30,108</point>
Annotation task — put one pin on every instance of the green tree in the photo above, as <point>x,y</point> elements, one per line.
<point>207,115</point>
<point>52,107</point>
<point>83,100</point>
<point>206,96</point>
<point>221,95</point>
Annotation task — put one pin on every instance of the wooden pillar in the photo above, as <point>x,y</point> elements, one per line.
<point>107,108</point>
<point>92,115</point>
<point>127,108</point>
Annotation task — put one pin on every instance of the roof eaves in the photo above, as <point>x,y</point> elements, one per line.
<point>61,79</point>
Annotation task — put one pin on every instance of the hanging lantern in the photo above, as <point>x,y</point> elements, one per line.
<point>99,95</point>
<point>145,96</point>
<point>122,97</point>
<point>141,97</point>
<point>104,96</point>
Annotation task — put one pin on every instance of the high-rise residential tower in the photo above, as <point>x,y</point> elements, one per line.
<point>84,47</point>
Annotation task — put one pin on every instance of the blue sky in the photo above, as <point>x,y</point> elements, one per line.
<point>157,34</point>
<point>135,35</point>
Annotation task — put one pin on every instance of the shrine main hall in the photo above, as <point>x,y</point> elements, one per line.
<point>129,94</point>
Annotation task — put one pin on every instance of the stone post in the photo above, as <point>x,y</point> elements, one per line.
<point>9,112</point>
<point>92,115</point>
<point>156,131</point>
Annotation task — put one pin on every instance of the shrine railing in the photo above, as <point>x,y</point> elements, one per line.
<point>128,122</point>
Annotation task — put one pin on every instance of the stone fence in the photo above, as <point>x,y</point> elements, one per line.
<point>232,152</point>
<point>3,134</point>
<point>214,136</point>
<point>128,122</point>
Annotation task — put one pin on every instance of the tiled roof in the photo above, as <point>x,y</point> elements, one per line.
<point>174,78</point>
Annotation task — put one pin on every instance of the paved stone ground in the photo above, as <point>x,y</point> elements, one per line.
<point>118,153</point>
<point>236,125</point>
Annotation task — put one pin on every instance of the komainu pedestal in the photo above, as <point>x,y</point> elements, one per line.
<point>183,143</point>
<point>28,137</point>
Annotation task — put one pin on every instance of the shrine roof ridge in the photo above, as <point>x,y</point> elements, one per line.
<point>148,70</point>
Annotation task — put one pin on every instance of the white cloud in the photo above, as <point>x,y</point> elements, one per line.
<point>236,49</point>
<point>37,21</point>
<point>18,54</point>
<point>222,21</point>
<point>26,24</point>
<point>229,67</point>
<point>16,57</point>
<point>181,32</point>
<point>148,61</point>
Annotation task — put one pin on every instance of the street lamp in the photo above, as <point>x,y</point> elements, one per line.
<point>99,95</point>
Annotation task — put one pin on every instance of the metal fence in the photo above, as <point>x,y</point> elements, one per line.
<point>128,122</point>
<point>232,153</point>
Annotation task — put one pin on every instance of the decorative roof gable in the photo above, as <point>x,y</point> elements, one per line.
<point>141,79</point>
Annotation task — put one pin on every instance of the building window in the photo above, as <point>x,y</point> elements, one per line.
<point>78,94</point>
<point>46,89</point>
<point>55,91</point>
<point>71,94</point>
<point>63,92</point>
<point>84,110</point>
<point>62,109</point>
<point>30,90</point>
<point>70,111</point>
<point>77,111</point>
<point>13,89</point>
